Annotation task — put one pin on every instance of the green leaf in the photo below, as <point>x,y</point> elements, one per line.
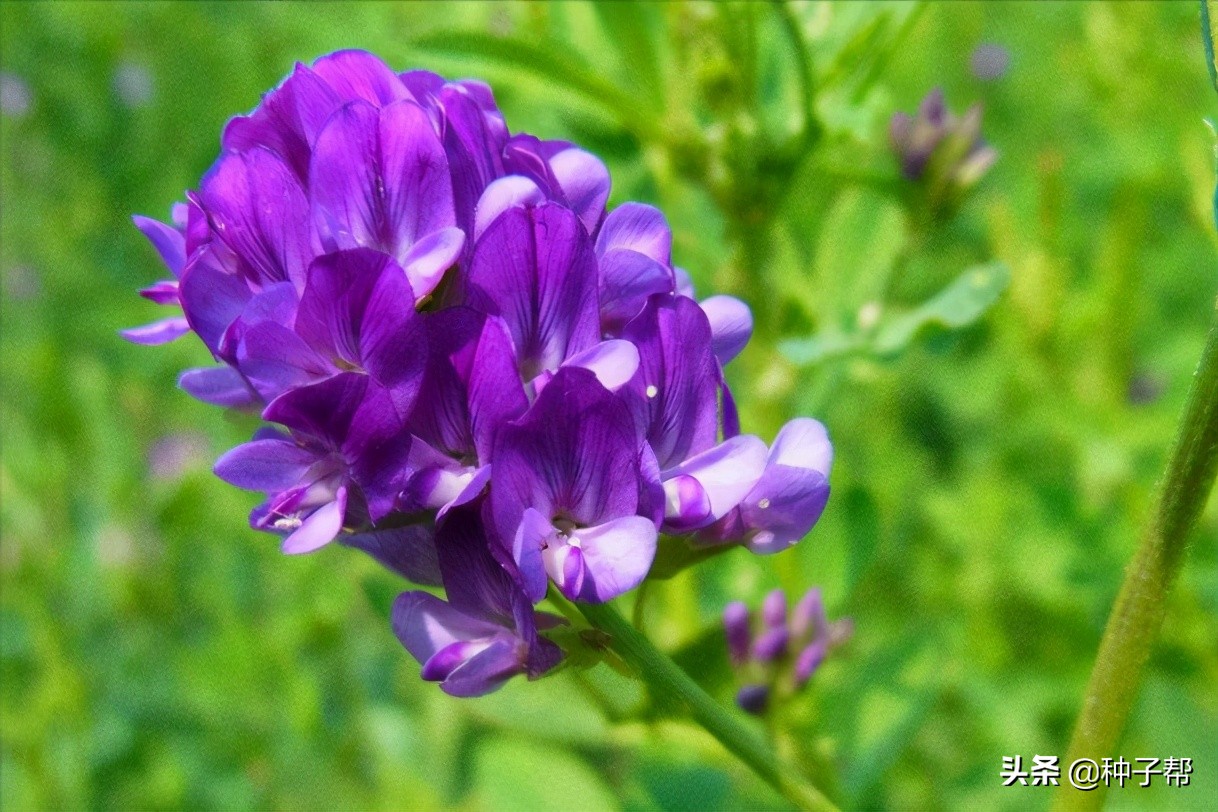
<point>958,305</point>
<point>813,350</point>
<point>515,775</point>
<point>1207,36</point>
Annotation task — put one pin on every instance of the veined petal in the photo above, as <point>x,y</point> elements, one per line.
<point>408,551</point>
<point>265,465</point>
<point>487,669</point>
<point>427,625</point>
<point>428,259</point>
<point>532,537</point>
<point>356,74</point>
<point>259,210</point>
<point>627,279</point>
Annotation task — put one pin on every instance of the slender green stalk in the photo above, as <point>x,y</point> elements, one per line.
<point>1141,603</point>
<point>668,683</point>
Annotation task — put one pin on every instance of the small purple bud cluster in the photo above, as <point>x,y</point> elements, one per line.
<point>476,373</point>
<point>939,149</point>
<point>782,653</point>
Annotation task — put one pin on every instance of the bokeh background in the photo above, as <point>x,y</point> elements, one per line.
<point>990,481</point>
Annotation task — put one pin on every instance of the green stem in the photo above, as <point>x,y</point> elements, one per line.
<point>668,683</point>
<point>1141,603</point>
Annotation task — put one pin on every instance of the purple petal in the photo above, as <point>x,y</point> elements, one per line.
<point>584,181</point>
<point>809,660</point>
<point>784,506</point>
<point>684,283</point>
<point>728,472</point>
<point>808,620</point>
<point>159,332</point>
<point>736,629</point>
<point>258,209</point>
<point>167,240</point>
<point>428,259</point>
<point>636,227</point>
<point>427,625</point>
<point>379,179</point>
<point>614,362</point>
<point>503,194</point>
<point>408,551</point>
<point>627,280</point>
<point>355,74</point>
<point>616,556</point>
<point>535,268</point>
<point>575,453</point>
<point>731,324</point>
<point>265,465</point>
<point>212,297</point>
<point>532,536</point>
<point>275,360</point>
<point>320,528</point>
<point>774,609</point>
<point>164,292</point>
<point>687,506</point>
<point>771,644</point>
<point>219,386</point>
<point>803,443</point>
<point>674,394</point>
<point>487,669</point>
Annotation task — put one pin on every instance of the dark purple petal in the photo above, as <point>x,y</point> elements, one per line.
<point>535,268</point>
<point>288,119</point>
<point>168,241</point>
<point>674,394</point>
<point>771,644</point>
<point>320,528</point>
<point>753,699</point>
<point>219,386</point>
<point>487,669</point>
<point>475,581</point>
<point>265,465</point>
<point>574,454</point>
<point>275,360</point>
<point>731,324</point>
<point>158,332</point>
<point>408,551</point>
<point>258,209</point>
<point>212,297</point>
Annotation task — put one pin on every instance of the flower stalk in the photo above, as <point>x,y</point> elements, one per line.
<point>672,686</point>
<point>1141,604</point>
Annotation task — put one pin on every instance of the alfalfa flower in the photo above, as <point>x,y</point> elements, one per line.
<point>471,370</point>
<point>943,153</point>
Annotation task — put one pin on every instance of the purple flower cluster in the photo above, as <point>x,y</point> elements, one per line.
<point>784,652</point>
<point>476,373</point>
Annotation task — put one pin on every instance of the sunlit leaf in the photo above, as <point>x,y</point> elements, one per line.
<point>958,305</point>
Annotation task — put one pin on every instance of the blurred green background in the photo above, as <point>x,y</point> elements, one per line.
<point>989,486</point>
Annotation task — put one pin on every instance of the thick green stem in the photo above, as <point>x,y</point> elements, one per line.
<point>1141,603</point>
<point>668,683</point>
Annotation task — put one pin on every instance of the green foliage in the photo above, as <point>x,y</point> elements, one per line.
<point>997,444</point>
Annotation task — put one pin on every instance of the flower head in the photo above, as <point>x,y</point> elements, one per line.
<point>471,370</point>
